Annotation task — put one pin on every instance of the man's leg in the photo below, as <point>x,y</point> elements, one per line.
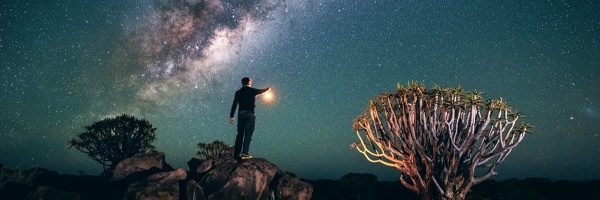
<point>248,131</point>
<point>239,138</point>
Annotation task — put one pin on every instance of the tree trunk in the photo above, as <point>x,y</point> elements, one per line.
<point>456,195</point>
<point>461,195</point>
<point>453,197</point>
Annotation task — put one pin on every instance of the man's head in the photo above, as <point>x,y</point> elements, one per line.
<point>246,81</point>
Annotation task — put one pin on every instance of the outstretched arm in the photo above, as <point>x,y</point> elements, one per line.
<point>262,91</point>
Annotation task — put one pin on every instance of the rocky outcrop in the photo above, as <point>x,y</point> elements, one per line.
<point>161,186</point>
<point>145,163</point>
<point>288,187</point>
<point>220,178</point>
<point>225,178</point>
<point>194,191</point>
<point>149,177</point>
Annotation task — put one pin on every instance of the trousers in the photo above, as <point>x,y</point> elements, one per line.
<point>245,129</point>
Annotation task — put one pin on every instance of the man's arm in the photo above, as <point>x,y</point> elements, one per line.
<point>262,91</point>
<point>233,107</point>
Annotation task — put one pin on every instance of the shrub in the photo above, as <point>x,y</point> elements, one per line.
<point>216,149</point>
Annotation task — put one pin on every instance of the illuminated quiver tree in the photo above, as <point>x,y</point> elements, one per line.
<point>442,140</point>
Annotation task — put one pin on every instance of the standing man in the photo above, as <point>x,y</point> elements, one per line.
<point>245,97</point>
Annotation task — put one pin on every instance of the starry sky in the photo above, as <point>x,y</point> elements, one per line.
<point>177,63</point>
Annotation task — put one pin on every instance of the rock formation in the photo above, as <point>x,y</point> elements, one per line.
<point>161,186</point>
<point>149,162</point>
<point>149,177</point>
<point>226,178</point>
<point>220,178</point>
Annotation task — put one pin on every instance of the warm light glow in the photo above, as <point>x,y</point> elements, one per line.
<point>268,96</point>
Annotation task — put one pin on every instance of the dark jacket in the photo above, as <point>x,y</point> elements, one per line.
<point>246,97</point>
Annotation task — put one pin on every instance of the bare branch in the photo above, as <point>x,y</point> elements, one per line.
<point>439,136</point>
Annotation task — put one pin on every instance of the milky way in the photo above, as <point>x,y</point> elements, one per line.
<point>592,112</point>
<point>183,44</point>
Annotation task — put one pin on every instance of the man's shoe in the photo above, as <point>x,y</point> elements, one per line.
<point>246,156</point>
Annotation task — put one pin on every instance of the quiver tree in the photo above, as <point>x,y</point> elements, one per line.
<point>442,140</point>
<point>113,139</point>
<point>216,149</point>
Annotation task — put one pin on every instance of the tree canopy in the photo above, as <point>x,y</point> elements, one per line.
<point>442,140</point>
<point>113,139</point>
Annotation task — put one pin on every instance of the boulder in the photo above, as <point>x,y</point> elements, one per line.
<point>159,186</point>
<point>290,188</point>
<point>209,164</point>
<point>154,162</point>
<point>226,178</point>
<point>194,191</point>
<point>45,192</point>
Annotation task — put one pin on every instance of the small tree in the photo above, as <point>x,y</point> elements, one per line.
<point>113,139</point>
<point>438,137</point>
<point>216,149</point>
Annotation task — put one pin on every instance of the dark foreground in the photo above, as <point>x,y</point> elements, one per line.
<point>528,189</point>
<point>96,187</point>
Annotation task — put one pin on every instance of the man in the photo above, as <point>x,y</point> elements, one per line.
<point>245,97</point>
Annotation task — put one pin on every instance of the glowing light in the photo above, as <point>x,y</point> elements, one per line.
<point>268,96</point>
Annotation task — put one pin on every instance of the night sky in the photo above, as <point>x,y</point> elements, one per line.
<point>67,64</point>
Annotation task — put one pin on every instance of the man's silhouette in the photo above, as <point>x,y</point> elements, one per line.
<point>245,97</point>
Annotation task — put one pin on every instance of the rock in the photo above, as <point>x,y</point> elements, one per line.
<point>45,192</point>
<point>225,178</point>
<point>208,164</point>
<point>193,164</point>
<point>228,179</point>
<point>159,186</point>
<point>194,191</point>
<point>142,163</point>
<point>290,188</point>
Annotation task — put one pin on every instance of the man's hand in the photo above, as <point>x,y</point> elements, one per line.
<point>231,120</point>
